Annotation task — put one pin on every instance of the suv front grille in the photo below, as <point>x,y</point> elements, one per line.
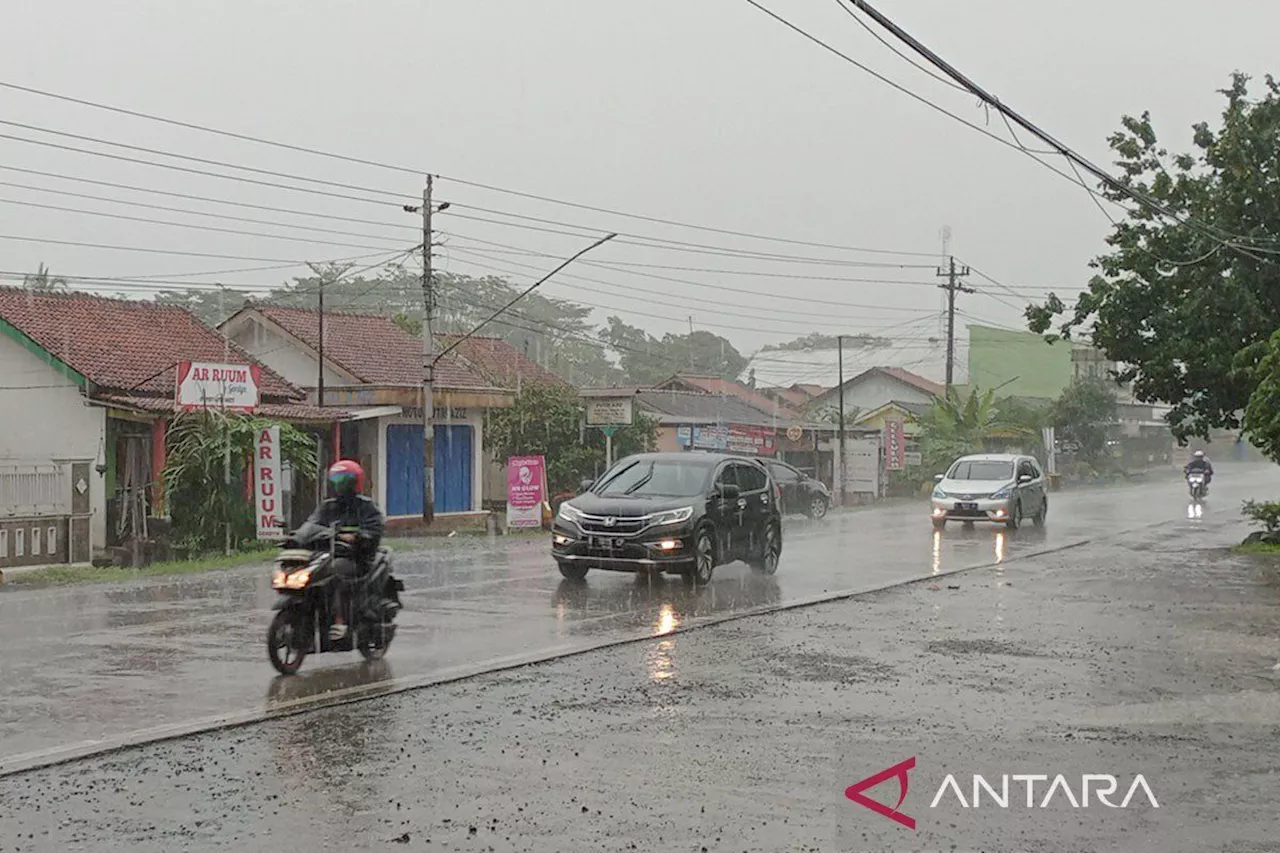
<point>621,526</point>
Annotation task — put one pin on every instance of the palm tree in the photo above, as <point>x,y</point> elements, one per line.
<point>956,426</point>
<point>41,280</point>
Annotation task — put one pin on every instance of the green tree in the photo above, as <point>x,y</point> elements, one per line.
<point>547,421</point>
<point>956,426</point>
<point>211,306</point>
<point>42,280</point>
<point>646,360</point>
<point>1190,317</point>
<point>1084,413</point>
<point>821,341</point>
<point>199,502</point>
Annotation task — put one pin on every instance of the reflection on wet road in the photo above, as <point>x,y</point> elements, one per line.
<point>92,663</point>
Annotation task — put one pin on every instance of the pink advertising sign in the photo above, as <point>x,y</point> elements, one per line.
<point>526,490</point>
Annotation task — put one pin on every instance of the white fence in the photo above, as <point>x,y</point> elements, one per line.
<point>33,489</point>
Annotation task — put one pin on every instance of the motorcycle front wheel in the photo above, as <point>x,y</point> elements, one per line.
<point>283,642</point>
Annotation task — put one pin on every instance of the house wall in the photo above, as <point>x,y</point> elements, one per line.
<point>283,355</point>
<point>872,393</point>
<point>44,419</point>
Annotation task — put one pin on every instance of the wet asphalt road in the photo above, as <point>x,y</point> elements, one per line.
<point>91,667</point>
<point>1146,653</point>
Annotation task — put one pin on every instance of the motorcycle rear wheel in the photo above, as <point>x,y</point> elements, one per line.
<point>281,648</point>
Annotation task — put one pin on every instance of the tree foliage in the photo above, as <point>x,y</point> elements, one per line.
<point>547,421</point>
<point>1083,414</point>
<point>960,425</point>
<point>199,501</point>
<point>646,360</point>
<point>821,341</point>
<point>1188,315</point>
<point>41,279</point>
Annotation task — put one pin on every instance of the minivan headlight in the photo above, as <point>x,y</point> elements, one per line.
<point>672,516</point>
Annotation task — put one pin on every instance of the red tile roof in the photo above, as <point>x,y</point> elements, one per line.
<point>729,388</point>
<point>500,362</point>
<point>283,411</point>
<point>913,379</point>
<point>121,344</point>
<point>371,347</point>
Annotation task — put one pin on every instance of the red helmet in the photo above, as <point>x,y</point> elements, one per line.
<point>346,477</point>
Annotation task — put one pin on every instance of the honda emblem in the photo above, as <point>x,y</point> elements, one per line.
<point>610,521</point>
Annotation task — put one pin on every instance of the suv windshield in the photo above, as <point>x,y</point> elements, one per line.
<point>645,477</point>
<point>974,469</point>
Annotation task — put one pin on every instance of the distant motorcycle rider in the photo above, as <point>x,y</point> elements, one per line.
<point>1200,464</point>
<point>349,508</point>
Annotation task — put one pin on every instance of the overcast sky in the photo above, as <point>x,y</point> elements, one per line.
<point>702,111</point>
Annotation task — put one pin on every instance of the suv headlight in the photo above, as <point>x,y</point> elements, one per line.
<point>569,512</point>
<point>672,516</point>
<point>938,493</point>
<point>1002,494</point>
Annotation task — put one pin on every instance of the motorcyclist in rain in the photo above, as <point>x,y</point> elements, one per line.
<point>1200,464</point>
<point>349,508</point>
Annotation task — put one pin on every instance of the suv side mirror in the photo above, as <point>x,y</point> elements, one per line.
<point>587,484</point>
<point>938,478</point>
<point>1025,478</point>
<point>729,491</point>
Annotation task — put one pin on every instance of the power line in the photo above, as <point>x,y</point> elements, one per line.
<point>419,171</point>
<point>145,249</point>
<point>124,217</point>
<point>192,197</point>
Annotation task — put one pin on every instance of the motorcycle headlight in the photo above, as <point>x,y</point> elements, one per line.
<point>672,516</point>
<point>938,493</point>
<point>569,512</point>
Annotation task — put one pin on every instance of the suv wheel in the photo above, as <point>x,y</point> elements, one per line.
<point>573,572</point>
<point>817,507</point>
<point>766,560</point>
<point>1038,518</point>
<point>704,559</point>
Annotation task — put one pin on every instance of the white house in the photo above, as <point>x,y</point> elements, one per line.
<point>373,370</point>
<point>877,387</point>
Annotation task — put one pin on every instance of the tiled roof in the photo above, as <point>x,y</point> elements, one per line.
<point>694,408</point>
<point>283,411</point>
<point>371,347</point>
<point>500,362</point>
<point>121,344</point>
<point>727,387</point>
<point>914,379</point>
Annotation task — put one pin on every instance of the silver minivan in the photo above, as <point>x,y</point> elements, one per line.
<point>1005,488</point>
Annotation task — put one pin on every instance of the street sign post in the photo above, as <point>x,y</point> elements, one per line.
<point>610,414</point>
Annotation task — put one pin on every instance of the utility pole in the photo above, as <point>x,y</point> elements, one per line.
<point>428,362</point>
<point>951,274</point>
<point>840,440</point>
<point>226,425</point>
<point>320,337</point>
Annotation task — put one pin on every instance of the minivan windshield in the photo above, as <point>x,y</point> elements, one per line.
<point>981,469</point>
<point>654,477</point>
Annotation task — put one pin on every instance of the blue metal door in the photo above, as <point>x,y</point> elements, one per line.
<point>404,468</point>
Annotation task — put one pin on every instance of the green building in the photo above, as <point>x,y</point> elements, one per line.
<point>1019,364</point>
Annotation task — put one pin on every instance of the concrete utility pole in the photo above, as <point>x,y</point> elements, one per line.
<point>951,287</point>
<point>840,441</point>
<point>428,362</point>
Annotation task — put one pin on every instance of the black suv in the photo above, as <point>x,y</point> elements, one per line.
<point>800,492</point>
<point>671,512</point>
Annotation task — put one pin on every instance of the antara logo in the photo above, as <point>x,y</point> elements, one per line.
<point>1103,786</point>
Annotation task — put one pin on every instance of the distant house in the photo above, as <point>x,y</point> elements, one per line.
<point>500,362</point>
<point>374,369</point>
<point>823,366</point>
<point>85,401</point>
<point>877,387</point>
<point>780,411</point>
<point>907,412</point>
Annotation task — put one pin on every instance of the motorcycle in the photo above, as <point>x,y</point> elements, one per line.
<point>304,576</point>
<point>1197,486</point>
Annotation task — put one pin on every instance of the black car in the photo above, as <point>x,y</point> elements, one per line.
<point>800,492</point>
<point>671,512</point>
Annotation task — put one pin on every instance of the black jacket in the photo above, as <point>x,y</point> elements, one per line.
<point>357,511</point>
<point>1202,464</point>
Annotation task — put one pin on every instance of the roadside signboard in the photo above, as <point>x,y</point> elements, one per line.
<point>526,490</point>
<point>913,460</point>
<point>795,432</point>
<point>757,441</point>
<point>203,385</point>
<point>616,411</point>
<point>895,445</point>
<point>268,507</point>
